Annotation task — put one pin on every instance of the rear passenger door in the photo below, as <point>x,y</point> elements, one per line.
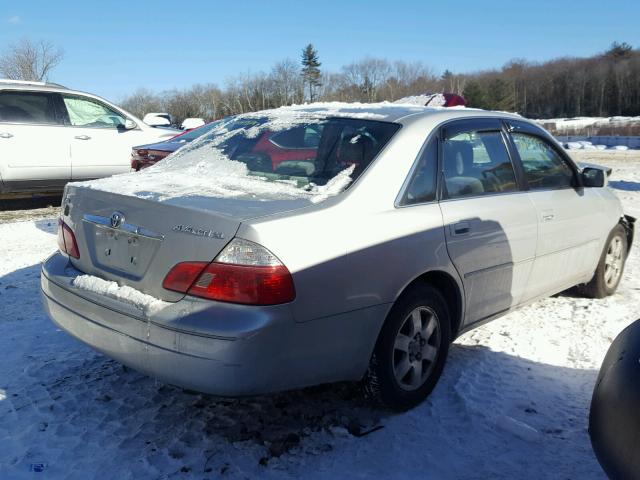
<point>34,153</point>
<point>490,223</point>
<point>567,214</point>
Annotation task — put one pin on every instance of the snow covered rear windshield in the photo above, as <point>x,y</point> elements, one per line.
<point>303,152</point>
<point>262,156</point>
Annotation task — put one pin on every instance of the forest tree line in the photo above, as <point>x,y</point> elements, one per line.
<point>605,84</point>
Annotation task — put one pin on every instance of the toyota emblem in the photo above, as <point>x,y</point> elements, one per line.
<point>117,219</point>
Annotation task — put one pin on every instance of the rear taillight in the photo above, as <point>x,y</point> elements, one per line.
<point>182,276</point>
<point>244,272</point>
<point>67,240</point>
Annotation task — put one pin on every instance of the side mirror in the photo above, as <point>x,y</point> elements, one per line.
<point>130,124</point>
<point>592,177</point>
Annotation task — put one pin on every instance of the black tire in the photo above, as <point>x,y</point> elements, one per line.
<point>614,418</point>
<point>598,286</point>
<point>381,384</point>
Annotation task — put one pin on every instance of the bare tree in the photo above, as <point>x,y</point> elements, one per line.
<point>29,60</point>
<point>287,83</point>
<point>141,102</point>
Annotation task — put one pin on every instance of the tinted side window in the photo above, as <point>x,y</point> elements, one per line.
<point>477,163</point>
<point>544,168</point>
<point>27,107</point>
<point>422,187</point>
<point>84,112</point>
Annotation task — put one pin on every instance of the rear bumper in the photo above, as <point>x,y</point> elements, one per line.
<point>185,344</point>
<point>212,347</point>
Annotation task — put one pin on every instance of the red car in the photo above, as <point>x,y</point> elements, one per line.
<point>143,156</point>
<point>293,145</point>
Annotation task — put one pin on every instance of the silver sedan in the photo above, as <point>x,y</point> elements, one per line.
<point>325,243</point>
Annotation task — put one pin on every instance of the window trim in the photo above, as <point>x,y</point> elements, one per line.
<point>59,116</point>
<point>514,126</point>
<point>467,124</point>
<point>398,203</point>
<point>67,119</point>
<point>438,131</point>
<point>402,196</point>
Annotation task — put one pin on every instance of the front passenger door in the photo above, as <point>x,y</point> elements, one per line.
<point>568,223</point>
<point>490,224</point>
<point>100,146</point>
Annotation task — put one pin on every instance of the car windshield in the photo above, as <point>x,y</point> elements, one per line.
<point>269,155</point>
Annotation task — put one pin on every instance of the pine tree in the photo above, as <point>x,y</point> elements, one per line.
<point>447,81</point>
<point>619,50</point>
<point>310,71</point>
<point>475,95</point>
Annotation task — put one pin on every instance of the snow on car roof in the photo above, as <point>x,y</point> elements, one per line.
<point>382,111</point>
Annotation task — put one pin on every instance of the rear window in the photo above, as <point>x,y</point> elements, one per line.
<point>264,156</point>
<point>27,107</point>
<point>302,152</point>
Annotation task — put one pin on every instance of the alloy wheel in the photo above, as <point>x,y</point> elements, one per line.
<point>613,262</point>
<point>416,348</point>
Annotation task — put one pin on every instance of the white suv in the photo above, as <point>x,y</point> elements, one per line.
<point>50,135</point>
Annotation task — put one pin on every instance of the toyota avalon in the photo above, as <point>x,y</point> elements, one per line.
<point>394,230</point>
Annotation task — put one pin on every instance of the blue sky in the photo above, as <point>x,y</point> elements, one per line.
<point>113,47</point>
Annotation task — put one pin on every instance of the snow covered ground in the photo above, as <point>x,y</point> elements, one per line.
<point>512,403</point>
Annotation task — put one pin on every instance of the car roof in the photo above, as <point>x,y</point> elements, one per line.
<point>30,85</point>
<point>7,84</point>
<point>384,111</point>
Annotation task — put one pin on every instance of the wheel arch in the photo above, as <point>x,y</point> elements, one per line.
<point>628,222</point>
<point>451,290</point>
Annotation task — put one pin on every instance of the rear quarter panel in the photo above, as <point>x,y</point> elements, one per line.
<point>358,250</point>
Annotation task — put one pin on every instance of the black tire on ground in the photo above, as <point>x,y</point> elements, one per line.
<point>614,417</point>
<point>598,287</point>
<point>426,351</point>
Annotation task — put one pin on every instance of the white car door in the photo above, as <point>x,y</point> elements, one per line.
<point>490,223</point>
<point>34,153</point>
<point>100,143</point>
<point>569,217</point>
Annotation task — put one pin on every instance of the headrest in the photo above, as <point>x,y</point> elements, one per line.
<point>458,157</point>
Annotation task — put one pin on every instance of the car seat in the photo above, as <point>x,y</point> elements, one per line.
<point>358,150</point>
<point>458,169</point>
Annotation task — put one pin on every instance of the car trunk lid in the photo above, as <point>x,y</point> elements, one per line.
<point>135,241</point>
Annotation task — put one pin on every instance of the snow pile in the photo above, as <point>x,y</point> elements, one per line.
<point>584,122</point>
<point>431,100</point>
<point>126,294</point>
<point>583,145</point>
<point>587,145</point>
<point>367,111</point>
<point>333,186</point>
<point>222,178</point>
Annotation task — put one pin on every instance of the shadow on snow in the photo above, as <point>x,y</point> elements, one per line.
<point>58,389</point>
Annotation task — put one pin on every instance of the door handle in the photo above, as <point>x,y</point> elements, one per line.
<point>460,228</point>
<point>5,135</point>
<point>82,137</point>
